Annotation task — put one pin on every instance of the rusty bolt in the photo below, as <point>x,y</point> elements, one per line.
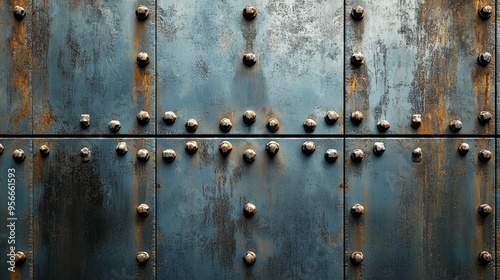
<point>249,257</point>
<point>191,147</point>
<point>44,150</point>
<point>191,125</point>
<point>485,257</point>
<point>383,125</point>
<point>225,147</point>
<point>309,125</point>
<point>121,148</point>
<point>225,125</point>
<point>20,257</point>
<point>249,59</point>
<point>485,12</point>
<point>19,12</point>
<point>331,117</point>
<point>331,155</point>
<point>308,147</point>
<point>85,154</point>
<point>143,155</point>
<point>273,125</point>
<point>272,147</point>
<point>456,125</point>
<point>485,210</point>
<point>357,155</point>
<point>249,155</point>
<point>357,210</point>
<point>358,13</point>
<point>416,121</point>
<point>142,12</point>
<point>249,210</point>
<point>168,155</point>
<point>484,117</point>
<point>463,149</point>
<point>485,155</point>
<point>143,210</point>
<point>249,12</point>
<point>378,148</point>
<point>142,257</point>
<point>357,59</point>
<point>417,155</point>
<point>1,149</point>
<point>114,126</point>
<point>249,117</point>
<point>169,117</point>
<point>142,59</point>
<point>85,120</point>
<point>143,117</point>
<point>18,155</point>
<point>357,117</point>
<point>484,58</point>
<point>357,257</point>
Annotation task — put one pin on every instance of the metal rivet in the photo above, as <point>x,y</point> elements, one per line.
<point>142,257</point>
<point>142,12</point>
<point>143,117</point>
<point>249,12</point>
<point>484,58</point>
<point>357,210</point>
<point>249,210</point>
<point>1,149</point>
<point>456,125</point>
<point>249,59</point>
<point>383,125</point>
<point>485,210</point>
<point>18,155</point>
<point>85,120</point>
<point>358,13</point>
<point>357,59</point>
<point>114,126</point>
<point>143,155</point>
<point>273,125</point>
<point>19,12</point>
<point>486,12</point>
<point>225,125</point>
<point>20,257</point>
<point>308,147</point>
<point>85,154</point>
<point>357,117</point>
<point>249,155</point>
<point>417,155</point>
<point>225,147</point>
<point>191,147</point>
<point>485,155</point>
<point>309,125</point>
<point>272,147</point>
<point>331,155</point>
<point>331,117</point>
<point>485,257</point>
<point>121,148</point>
<point>191,125</point>
<point>143,210</point>
<point>357,155</point>
<point>142,59</point>
<point>249,117</point>
<point>357,257</point>
<point>463,149</point>
<point>169,117</point>
<point>484,117</point>
<point>249,257</point>
<point>416,121</point>
<point>168,155</point>
<point>44,150</point>
<point>378,148</point>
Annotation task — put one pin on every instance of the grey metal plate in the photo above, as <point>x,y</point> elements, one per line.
<point>298,74</point>
<point>86,224</point>
<point>296,233</point>
<point>85,63</point>
<point>420,58</point>
<point>421,219</point>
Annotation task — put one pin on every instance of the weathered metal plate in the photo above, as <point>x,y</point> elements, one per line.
<point>296,233</point>
<point>86,223</point>
<point>84,62</point>
<point>421,219</point>
<point>15,62</point>
<point>421,57</point>
<point>298,74</point>
<point>16,210</point>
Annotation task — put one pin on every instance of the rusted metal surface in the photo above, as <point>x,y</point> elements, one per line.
<point>85,62</point>
<point>204,230</point>
<point>420,57</point>
<point>87,220</point>
<point>286,63</point>
<point>421,219</point>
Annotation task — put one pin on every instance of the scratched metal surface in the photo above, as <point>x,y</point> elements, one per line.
<point>420,58</point>
<point>84,62</point>
<point>298,74</point>
<point>86,225</point>
<point>421,219</point>
<point>15,60</point>
<point>296,233</point>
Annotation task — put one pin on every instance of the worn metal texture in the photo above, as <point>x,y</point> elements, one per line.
<point>84,62</point>
<point>421,57</point>
<point>421,218</point>
<point>297,231</point>
<point>86,224</point>
<point>15,78</point>
<point>298,73</point>
<point>16,209</point>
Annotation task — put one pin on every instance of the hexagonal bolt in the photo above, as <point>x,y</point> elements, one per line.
<point>142,155</point>
<point>357,155</point>
<point>485,210</point>
<point>357,210</point>
<point>249,59</point>
<point>484,58</point>
<point>417,155</point>
<point>191,147</point>
<point>358,13</point>
<point>18,155</point>
<point>309,125</point>
<point>20,257</point>
<point>1,149</point>
<point>308,147</point>
<point>121,148</point>
<point>225,147</point>
<point>273,125</point>
<point>19,12</point>
<point>142,257</point>
<point>378,148</point>
<point>463,149</point>
<point>143,117</point>
<point>331,117</point>
<point>357,257</point>
<point>272,147</point>
<point>85,120</point>
<point>383,125</point>
<point>191,125</point>
<point>142,12</point>
<point>485,155</point>
<point>44,150</point>
<point>250,257</point>
<point>249,155</point>
<point>486,12</point>
<point>416,120</point>
<point>114,125</point>
<point>85,154</point>
<point>249,12</point>
<point>143,210</point>
<point>249,117</point>
<point>357,117</point>
<point>357,59</point>
<point>484,117</point>
<point>168,155</point>
<point>331,155</point>
<point>485,257</point>
<point>249,210</point>
<point>225,125</point>
<point>456,125</point>
<point>169,117</point>
<point>142,59</point>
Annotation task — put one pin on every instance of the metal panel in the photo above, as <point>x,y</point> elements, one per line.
<point>298,73</point>
<point>421,219</point>
<point>421,57</point>
<point>15,62</point>
<point>85,63</point>
<point>86,221</point>
<point>16,206</point>
<point>296,233</point>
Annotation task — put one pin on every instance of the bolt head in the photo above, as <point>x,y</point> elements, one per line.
<point>225,147</point>
<point>249,117</point>
<point>250,257</point>
<point>309,125</point>
<point>249,155</point>
<point>463,149</point>
<point>44,150</point>
<point>357,59</point>
<point>357,117</point>
<point>142,12</point>
<point>485,210</point>
<point>249,210</point>
<point>485,257</point>
<point>484,58</point>
<point>331,155</point>
<point>169,117</point>
<point>249,59</point>
<point>114,126</point>
<point>485,155</point>
<point>417,155</point>
<point>272,147</point>
<point>331,117</point>
<point>85,120</point>
<point>357,210</point>
<point>191,147</point>
<point>456,125</point>
<point>416,121</point>
<point>191,125</point>
<point>486,12</point>
<point>1,149</point>
<point>85,154</point>
<point>484,117</point>
<point>18,155</point>
<point>358,13</point>
<point>273,125</point>
<point>378,148</point>
<point>20,257</point>
<point>357,155</point>
<point>143,210</point>
<point>225,125</point>
<point>142,59</point>
<point>168,155</point>
<point>143,155</point>
<point>249,12</point>
<point>19,12</point>
<point>142,257</point>
<point>357,257</point>
<point>308,147</point>
<point>383,125</point>
<point>121,148</point>
<point>143,117</point>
